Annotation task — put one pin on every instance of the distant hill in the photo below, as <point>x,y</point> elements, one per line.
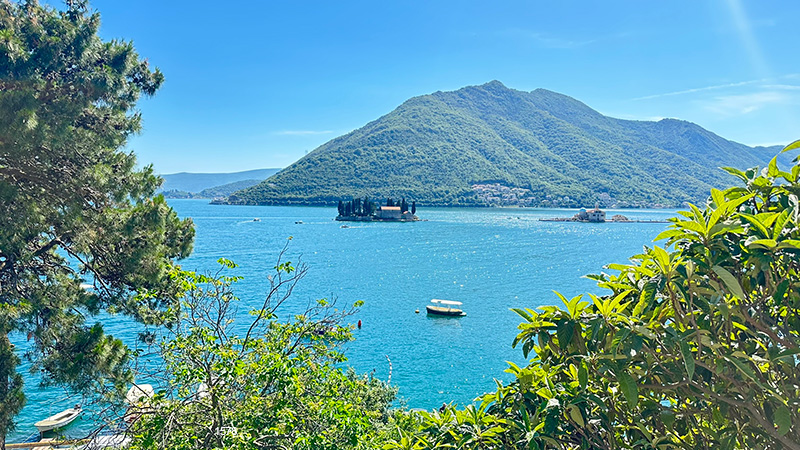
<point>491,145</point>
<point>213,192</point>
<point>197,182</point>
<point>228,189</point>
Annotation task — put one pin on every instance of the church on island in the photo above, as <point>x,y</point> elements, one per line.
<point>592,215</point>
<point>364,210</point>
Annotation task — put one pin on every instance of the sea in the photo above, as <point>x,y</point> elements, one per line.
<point>490,259</point>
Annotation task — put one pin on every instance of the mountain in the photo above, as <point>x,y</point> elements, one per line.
<point>213,192</point>
<point>196,182</point>
<point>491,145</point>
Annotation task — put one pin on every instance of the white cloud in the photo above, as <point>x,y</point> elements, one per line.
<point>703,89</point>
<point>302,132</point>
<point>730,105</point>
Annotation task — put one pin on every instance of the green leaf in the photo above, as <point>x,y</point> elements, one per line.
<point>583,375</point>
<point>688,359</point>
<point>718,197</point>
<point>735,172</point>
<point>564,332</point>
<point>524,314</point>
<point>645,299</point>
<point>575,414</point>
<point>766,243</point>
<point>730,282</point>
<point>783,419</point>
<point>789,243</point>
<point>772,168</point>
<point>792,146</point>
<point>669,234</point>
<point>628,387</point>
<point>756,223</point>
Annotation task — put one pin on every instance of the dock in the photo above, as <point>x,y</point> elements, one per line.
<point>49,444</point>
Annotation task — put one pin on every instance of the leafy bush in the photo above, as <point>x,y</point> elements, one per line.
<point>268,384</point>
<point>695,346</point>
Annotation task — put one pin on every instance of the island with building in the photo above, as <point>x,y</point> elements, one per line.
<point>365,210</point>
<point>597,215</point>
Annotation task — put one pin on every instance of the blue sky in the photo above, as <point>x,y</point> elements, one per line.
<point>258,84</point>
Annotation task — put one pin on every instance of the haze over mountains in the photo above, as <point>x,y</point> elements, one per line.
<point>491,145</point>
<point>211,185</point>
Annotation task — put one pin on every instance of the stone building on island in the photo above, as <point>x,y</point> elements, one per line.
<point>592,215</point>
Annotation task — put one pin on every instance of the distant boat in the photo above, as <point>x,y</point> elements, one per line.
<point>139,392</point>
<point>299,222</point>
<point>256,220</point>
<point>446,310</point>
<point>344,226</point>
<point>59,420</point>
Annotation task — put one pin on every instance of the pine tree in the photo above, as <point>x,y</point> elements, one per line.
<point>73,206</point>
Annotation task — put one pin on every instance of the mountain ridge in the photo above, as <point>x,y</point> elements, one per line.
<point>470,146</point>
<point>192,182</point>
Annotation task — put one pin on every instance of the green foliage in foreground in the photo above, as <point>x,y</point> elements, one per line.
<point>73,207</point>
<point>268,384</point>
<point>695,345</point>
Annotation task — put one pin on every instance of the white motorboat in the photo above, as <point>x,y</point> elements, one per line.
<point>445,310</point>
<point>59,420</point>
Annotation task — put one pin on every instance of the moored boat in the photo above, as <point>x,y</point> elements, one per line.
<point>59,420</point>
<point>445,308</point>
<point>138,393</point>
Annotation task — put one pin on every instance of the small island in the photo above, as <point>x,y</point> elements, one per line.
<point>365,210</point>
<point>597,215</point>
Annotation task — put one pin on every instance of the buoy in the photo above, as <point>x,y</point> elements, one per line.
<point>359,323</point>
<point>416,311</point>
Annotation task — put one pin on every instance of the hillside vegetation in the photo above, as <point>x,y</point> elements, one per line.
<point>491,145</point>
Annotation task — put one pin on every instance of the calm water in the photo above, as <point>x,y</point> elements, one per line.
<point>489,259</point>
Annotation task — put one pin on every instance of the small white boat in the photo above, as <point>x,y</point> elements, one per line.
<point>59,420</point>
<point>446,310</point>
<point>138,393</point>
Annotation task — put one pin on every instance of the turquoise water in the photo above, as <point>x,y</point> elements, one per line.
<point>489,259</point>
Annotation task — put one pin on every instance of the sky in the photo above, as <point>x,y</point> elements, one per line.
<point>258,84</point>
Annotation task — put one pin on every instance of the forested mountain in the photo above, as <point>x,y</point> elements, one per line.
<point>197,182</point>
<point>493,145</point>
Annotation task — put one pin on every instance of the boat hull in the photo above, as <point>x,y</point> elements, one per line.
<point>442,311</point>
<point>57,421</point>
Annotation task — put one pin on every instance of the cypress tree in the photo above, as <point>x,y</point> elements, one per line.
<point>413,207</point>
<point>341,208</point>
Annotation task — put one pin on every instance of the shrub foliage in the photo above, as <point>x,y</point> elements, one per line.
<point>695,345</point>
